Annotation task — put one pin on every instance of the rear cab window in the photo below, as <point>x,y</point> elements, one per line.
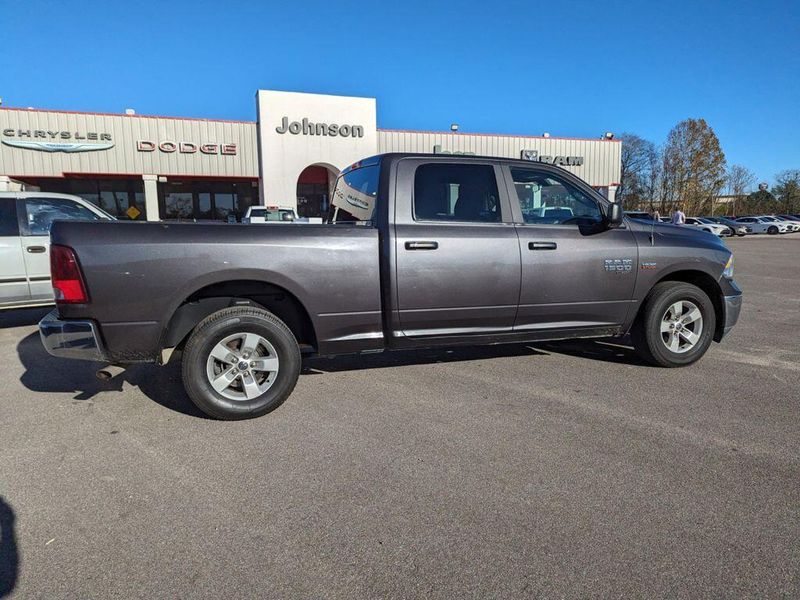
<point>355,195</point>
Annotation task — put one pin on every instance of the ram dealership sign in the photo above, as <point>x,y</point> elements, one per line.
<point>306,127</point>
<point>56,141</point>
<point>559,161</point>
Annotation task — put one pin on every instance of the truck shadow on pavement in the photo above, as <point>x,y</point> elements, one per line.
<point>9,554</point>
<point>47,374</point>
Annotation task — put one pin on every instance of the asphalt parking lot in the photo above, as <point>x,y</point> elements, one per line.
<point>552,470</point>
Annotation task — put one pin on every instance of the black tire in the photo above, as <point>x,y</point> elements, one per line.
<point>646,333</point>
<point>772,230</point>
<point>220,325</point>
<point>741,234</point>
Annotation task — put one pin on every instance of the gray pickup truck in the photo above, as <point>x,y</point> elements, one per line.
<point>418,251</point>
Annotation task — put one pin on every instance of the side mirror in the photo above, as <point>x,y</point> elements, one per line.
<point>614,216</point>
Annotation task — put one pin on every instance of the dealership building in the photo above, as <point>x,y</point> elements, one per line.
<point>159,168</point>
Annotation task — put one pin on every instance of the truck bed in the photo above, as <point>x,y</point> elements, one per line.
<point>138,274</point>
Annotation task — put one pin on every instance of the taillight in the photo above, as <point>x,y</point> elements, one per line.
<point>66,276</point>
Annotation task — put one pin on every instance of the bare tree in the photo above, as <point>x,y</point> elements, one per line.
<point>738,181</point>
<point>639,172</point>
<point>693,166</point>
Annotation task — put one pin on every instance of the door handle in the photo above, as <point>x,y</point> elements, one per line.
<point>422,245</point>
<point>542,245</point>
<point>36,249</point>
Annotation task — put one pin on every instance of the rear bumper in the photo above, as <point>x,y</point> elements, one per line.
<point>71,339</point>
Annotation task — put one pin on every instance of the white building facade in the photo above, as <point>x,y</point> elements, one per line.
<point>161,168</point>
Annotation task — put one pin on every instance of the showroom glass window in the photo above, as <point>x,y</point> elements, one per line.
<point>204,200</point>
<point>116,196</point>
<point>548,199</point>
<point>456,192</point>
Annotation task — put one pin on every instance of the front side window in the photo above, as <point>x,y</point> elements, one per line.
<point>546,199</point>
<point>41,212</point>
<point>456,192</point>
<point>9,226</point>
<point>355,196</point>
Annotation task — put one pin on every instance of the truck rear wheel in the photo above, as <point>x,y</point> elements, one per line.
<point>675,325</point>
<point>240,362</point>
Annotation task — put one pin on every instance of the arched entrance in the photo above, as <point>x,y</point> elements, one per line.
<point>314,186</point>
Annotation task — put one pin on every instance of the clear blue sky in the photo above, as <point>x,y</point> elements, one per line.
<point>571,68</point>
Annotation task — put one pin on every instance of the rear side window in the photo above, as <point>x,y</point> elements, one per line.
<point>9,226</point>
<point>41,212</point>
<point>456,192</point>
<point>355,196</point>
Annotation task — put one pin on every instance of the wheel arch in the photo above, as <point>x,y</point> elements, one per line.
<point>215,296</point>
<point>709,285</point>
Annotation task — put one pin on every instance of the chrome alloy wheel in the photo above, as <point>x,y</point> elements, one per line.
<point>242,366</point>
<point>681,326</point>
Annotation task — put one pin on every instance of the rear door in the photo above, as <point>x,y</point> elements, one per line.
<point>13,280</point>
<point>457,255</point>
<point>38,214</point>
<point>576,273</point>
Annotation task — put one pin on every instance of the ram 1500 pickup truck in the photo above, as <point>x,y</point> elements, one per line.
<point>418,250</point>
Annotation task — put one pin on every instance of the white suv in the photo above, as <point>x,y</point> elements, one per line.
<point>25,219</point>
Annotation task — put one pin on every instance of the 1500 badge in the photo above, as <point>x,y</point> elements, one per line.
<point>618,265</point>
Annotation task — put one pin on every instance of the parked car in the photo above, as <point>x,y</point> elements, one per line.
<point>791,226</point>
<point>709,226</point>
<point>269,214</point>
<point>762,225</point>
<point>420,250</point>
<point>25,220</point>
<point>736,228</point>
<point>793,218</point>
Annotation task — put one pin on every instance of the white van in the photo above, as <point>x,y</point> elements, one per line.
<point>25,219</point>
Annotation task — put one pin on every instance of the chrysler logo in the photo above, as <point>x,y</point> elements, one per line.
<point>58,146</point>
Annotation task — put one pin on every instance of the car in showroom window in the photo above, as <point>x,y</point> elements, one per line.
<point>546,199</point>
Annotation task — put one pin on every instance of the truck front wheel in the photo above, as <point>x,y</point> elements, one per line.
<point>675,325</point>
<point>240,363</point>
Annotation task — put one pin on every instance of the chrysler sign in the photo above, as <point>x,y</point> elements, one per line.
<point>56,141</point>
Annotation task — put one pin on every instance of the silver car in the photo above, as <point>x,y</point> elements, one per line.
<point>25,219</point>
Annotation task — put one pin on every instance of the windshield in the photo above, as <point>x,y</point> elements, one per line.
<point>355,195</point>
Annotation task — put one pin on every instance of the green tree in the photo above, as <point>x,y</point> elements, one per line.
<point>694,166</point>
<point>787,191</point>
<point>761,202</point>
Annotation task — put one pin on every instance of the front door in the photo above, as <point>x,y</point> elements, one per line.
<point>457,255</point>
<point>13,281</point>
<point>576,273</point>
